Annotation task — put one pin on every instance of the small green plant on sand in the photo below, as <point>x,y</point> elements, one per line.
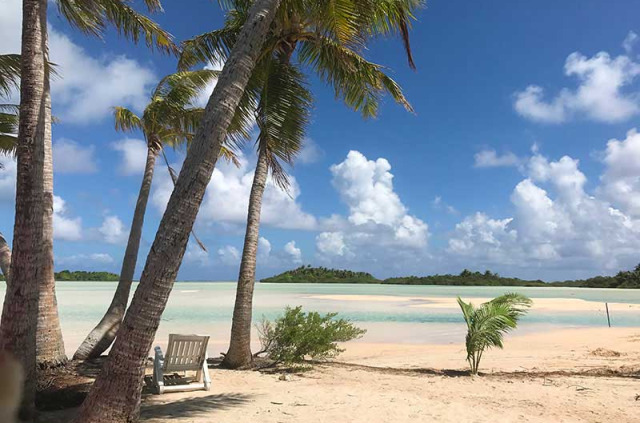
<point>488,323</point>
<point>297,335</point>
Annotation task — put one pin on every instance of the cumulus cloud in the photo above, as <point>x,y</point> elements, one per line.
<point>621,180</point>
<point>88,86</point>
<point>379,226</point>
<point>229,255</point>
<point>294,252</point>
<point>134,155</point>
<point>71,157</point>
<point>602,93</point>
<point>489,158</point>
<point>113,230</point>
<point>555,221</point>
<point>65,227</point>
<point>227,199</point>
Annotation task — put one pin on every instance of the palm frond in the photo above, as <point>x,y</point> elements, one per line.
<point>126,120</point>
<point>357,81</point>
<point>92,16</point>
<point>9,73</point>
<point>488,323</point>
<point>282,117</point>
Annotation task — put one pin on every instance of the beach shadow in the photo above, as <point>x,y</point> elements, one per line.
<point>190,407</point>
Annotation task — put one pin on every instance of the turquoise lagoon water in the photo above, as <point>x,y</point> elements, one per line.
<point>206,307</point>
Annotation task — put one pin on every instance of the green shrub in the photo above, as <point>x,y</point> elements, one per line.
<point>297,335</point>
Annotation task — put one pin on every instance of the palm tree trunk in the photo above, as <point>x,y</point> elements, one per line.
<point>115,395</point>
<point>239,354</point>
<point>20,310</point>
<point>102,336</point>
<point>5,258</point>
<point>49,343</point>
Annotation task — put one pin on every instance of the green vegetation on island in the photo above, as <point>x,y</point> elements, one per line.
<point>307,274</point>
<point>82,276</point>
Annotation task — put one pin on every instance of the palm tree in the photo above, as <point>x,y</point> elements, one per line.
<point>329,42</point>
<point>487,323</point>
<point>32,291</point>
<point>115,395</point>
<point>167,120</point>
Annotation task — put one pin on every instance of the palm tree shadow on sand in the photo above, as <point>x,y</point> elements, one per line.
<point>191,407</point>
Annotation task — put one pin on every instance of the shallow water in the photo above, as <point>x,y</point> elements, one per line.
<point>206,307</point>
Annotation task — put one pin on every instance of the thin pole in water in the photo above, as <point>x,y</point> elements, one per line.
<point>608,319</point>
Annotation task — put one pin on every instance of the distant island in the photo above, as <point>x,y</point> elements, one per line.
<point>81,275</point>
<point>308,274</point>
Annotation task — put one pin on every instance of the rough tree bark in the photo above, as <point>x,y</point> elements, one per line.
<point>115,395</point>
<point>239,354</point>
<point>20,310</point>
<point>102,336</point>
<point>49,343</point>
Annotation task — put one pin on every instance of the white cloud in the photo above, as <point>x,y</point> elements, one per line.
<point>88,86</point>
<point>601,94</point>
<point>294,252</point>
<point>264,248</point>
<point>489,158</point>
<point>71,157</point>
<point>113,230</point>
<point>379,228</point>
<point>82,259</point>
<point>65,227</point>
<point>197,255</point>
<point>629,42</point>
<point>310,153</point>
<point>229,255</point>
<point>438,204</point>
<point>227,199</point>
<point>366,187</point>
<point>202,99</point>
<point>134,155</point>
<point>556,223</point>
<point>621,180</point>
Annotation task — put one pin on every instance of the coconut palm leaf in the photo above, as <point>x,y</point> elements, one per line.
<point>9,73</point>
<point>92,16</point>
<point>282,116</point>
<point>488,323</point>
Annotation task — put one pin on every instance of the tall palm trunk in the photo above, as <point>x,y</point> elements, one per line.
<point>20,310</point>
<point>102,336</point>
<point>5,258</point>
<point>49,343</point>
<point>239,354</point>
<point>115,396</point>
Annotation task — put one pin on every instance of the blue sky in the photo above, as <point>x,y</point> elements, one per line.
<point>518,159</point>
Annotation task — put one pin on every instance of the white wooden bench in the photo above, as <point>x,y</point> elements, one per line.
<point>185,353</point>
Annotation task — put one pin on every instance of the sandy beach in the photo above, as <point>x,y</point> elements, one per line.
<point>574,375</point>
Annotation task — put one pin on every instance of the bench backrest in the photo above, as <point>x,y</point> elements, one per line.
<point>185,352</point>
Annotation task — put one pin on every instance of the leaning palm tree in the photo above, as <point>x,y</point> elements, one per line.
<point>168,120</point>
<point>487,323</point>
<point>328,41</point>
<point>115,395</point>
<point>29,314</point>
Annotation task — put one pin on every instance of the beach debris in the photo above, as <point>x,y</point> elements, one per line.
<point>637,397</point>
<point>603,352</point>
<point>276,403</point>
<point>285,377</point>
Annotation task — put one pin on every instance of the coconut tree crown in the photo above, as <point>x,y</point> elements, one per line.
<point>328,39</point>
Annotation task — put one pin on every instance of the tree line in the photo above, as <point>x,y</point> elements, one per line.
<point>307,274</point>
